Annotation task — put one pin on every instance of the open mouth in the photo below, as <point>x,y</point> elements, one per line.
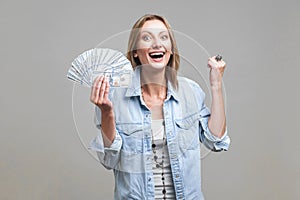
<point>156,55</point>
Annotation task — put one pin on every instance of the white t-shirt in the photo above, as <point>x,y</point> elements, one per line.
<point>158,131</point>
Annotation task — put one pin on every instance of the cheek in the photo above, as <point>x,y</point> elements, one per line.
<point>142,52</point>
<point>167,45</point>
<point>167,58</point>
<point>142,55</point>
<point>143,45</point>
<point>141,48</point>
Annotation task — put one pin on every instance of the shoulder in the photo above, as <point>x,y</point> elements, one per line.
<point>188,85</point>
<point>190,96</point>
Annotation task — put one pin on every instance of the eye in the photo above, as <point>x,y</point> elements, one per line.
<point>164,37</point>
<point>146,37</point>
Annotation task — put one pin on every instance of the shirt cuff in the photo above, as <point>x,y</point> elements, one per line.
<point>97,143</point>
<point>219,144</point>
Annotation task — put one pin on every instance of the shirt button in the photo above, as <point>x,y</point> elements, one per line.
<point>170,132</point>
<point>177,175</point>
<point>149,179</point>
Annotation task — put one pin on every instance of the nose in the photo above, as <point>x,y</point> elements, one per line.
<point>156,44</point>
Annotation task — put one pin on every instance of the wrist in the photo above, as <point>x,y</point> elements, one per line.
<point>216,86</point>
<point>107,112</point>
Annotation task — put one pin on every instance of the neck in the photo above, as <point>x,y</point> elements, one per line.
<point>154,83</point>
<point>154,90</point>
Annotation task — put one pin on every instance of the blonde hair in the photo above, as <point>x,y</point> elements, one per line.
<point>173,64</point>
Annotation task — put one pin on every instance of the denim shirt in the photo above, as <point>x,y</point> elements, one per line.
<point>130,154</point>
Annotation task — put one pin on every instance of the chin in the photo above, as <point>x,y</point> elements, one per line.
<point>155,66</point>
<point>158,65</point>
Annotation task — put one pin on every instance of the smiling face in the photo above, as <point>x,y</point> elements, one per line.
<point>141,52</point>
<point>154,44</point>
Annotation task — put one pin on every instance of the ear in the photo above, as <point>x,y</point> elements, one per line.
<point>135,55</point>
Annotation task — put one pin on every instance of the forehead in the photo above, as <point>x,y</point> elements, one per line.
<point>154,25</point>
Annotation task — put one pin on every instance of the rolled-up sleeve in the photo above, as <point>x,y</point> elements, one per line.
<point>108,156</point>
<point>207,138</point>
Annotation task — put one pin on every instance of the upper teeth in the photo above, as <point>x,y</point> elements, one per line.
<point>158,53</point>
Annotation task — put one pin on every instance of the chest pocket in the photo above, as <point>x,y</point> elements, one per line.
<point>132,135</point>
<point>187,132</point>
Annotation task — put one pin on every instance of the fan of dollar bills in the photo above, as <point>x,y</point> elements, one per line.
<point>101,61</point>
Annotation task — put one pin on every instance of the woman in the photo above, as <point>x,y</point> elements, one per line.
<point>150,132</point>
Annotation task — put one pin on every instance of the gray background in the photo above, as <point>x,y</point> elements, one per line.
<point>41,155</point>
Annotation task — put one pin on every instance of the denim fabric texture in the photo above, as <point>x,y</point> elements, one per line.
<point>130,155</point>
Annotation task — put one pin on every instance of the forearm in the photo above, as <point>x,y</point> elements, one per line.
<point>217,120</point>
<point>108,127</point>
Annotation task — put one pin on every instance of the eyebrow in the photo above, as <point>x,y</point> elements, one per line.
<point>145,31</point>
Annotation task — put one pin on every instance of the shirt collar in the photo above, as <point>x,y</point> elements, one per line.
<point>135,87</point>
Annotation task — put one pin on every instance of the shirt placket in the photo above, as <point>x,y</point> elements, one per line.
<point>174,160</point>
<point>148,154</point>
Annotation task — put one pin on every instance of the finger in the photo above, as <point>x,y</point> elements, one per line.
<point>106,92</point>
<point>93,96</point>
<point>98,86</point>
<point>102,90</point>
<point>213,58</point>
<point>221,64</point>
<point>212,63</point>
